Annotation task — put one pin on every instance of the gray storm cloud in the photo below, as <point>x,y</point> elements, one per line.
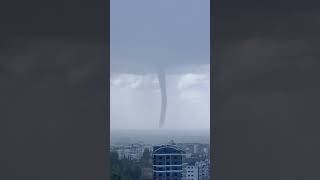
<point>161,68</point>
<point>163,88</point>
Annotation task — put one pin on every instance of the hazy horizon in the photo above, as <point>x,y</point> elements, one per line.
<point>159,136</point>
<point>160,130</point>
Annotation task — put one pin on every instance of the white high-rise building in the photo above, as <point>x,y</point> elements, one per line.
<point>192,173</point>
<point>124,153</point>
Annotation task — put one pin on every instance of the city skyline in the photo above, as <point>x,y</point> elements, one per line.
<point>170,160</point>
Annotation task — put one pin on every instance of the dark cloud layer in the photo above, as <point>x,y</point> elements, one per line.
<point>53,76</point>
<point>70,19</point>
<point>267,90</point>
<point>239,20</point>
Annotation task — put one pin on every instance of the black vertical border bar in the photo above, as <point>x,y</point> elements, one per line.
<point>107,133</point>
<point>212,84</point>
<point>244,147</point>
<point>42,152</point>
<point>106,122</point>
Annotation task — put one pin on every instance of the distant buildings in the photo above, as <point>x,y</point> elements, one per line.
<point>205,150</point>
<point>168,162</point>
<point>133,152</point>
<point>184,161</point>
<point>195,148</point>
<point>149,147</point>
<point>123,153</point>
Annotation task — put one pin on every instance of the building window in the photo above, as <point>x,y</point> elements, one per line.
<point>168,157</point>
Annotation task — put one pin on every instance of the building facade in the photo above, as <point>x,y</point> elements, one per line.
<point>136,151</point>
<point>168,163</point>
<point>123,153</point>
<point>203,167</point>
<point>192,173</point>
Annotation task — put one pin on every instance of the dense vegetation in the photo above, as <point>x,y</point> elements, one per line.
<point>126,169</point>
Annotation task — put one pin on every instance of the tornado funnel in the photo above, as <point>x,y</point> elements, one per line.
<point>163,89</point>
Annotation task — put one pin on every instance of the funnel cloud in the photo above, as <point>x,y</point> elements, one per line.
<point>163,89</point>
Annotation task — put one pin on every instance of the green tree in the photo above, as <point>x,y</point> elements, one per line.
<point>136,172</point>
<point>114,157</point>
<point>124,169</point>
<point>145,160</point>
<point>116,176</point>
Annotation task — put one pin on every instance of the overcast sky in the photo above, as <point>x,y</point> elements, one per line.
<point>173,34</point>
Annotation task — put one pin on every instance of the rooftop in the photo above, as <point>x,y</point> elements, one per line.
<point>165,149</point>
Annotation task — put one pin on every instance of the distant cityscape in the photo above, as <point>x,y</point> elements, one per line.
<point>172,160</point>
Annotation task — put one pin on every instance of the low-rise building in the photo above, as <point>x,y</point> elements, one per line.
<point>133,152</point>
<point>203,167</point>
